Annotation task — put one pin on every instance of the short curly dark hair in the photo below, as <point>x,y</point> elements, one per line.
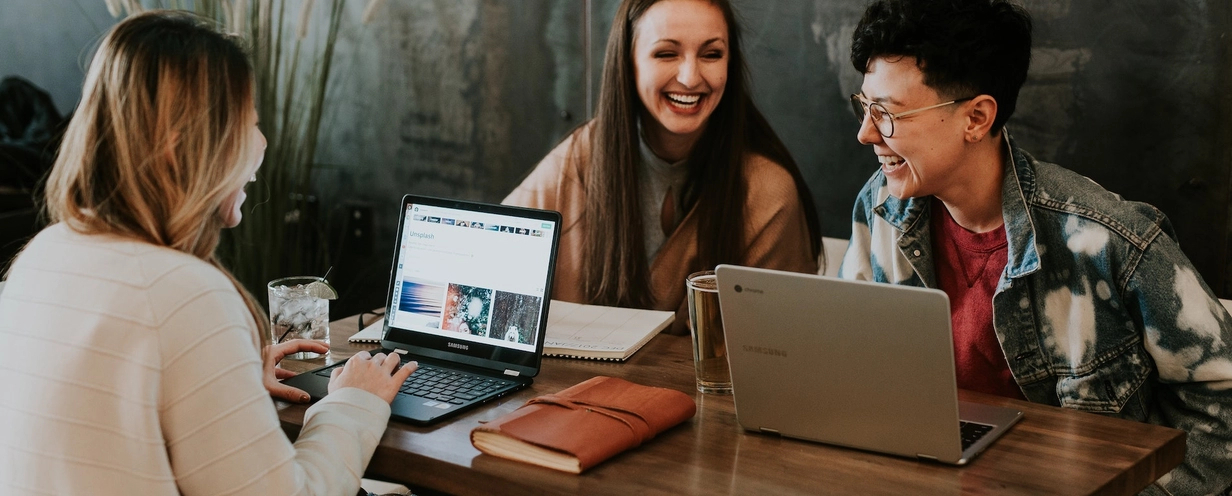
<point>963,47</point>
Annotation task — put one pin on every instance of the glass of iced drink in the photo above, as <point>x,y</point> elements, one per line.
<point>299,309</point>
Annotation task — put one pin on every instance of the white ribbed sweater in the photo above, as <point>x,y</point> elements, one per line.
<point>130,369</point>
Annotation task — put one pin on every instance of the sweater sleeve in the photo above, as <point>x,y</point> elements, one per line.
<point>221,430</point>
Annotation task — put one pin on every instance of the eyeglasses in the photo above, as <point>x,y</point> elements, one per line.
<point>882,118</point>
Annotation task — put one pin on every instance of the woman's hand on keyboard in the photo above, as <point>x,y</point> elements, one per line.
<point>379,375</point>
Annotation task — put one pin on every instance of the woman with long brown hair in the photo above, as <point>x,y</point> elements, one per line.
<point>677,172</point>
<point>133,361</point>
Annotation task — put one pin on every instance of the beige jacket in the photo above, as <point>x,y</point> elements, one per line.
<point>775,228</point>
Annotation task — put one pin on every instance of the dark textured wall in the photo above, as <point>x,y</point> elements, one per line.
<point>462,97</point>
<point>444,98</point>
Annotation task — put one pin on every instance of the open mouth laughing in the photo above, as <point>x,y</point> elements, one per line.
<point>683,100</point>
<point>890,163</point>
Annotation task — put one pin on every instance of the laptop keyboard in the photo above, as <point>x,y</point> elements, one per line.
<point>446,385</point>
<point>972,432</point>
<point>451,386</point>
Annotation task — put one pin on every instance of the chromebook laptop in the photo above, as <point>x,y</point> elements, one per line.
<point>468,299</point>
<point>849,363</point>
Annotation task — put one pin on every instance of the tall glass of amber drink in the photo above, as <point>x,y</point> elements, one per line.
<point>706,328</point>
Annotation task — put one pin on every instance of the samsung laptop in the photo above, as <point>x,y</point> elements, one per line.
<point>849,363</point>
<point>468,299</point>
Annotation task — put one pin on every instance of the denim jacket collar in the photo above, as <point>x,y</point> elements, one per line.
<point>910,217</point>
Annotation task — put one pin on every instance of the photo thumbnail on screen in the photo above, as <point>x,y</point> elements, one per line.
<point>515,317</point>
<point>423,298</point>
<point>467,309</point>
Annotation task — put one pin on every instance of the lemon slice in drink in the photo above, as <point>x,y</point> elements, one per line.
<point>321,289</point>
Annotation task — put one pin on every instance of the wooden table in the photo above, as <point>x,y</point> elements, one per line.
<point>1051,451</point>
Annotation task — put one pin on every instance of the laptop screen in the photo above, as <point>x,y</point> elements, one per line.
<point>471,282</point>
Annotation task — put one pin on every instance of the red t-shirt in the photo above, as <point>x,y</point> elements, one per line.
<point>968,267</point>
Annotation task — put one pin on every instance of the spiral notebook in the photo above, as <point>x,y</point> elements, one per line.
<point>592,332</point>
<point>596,332</point>
<point>371,334</point>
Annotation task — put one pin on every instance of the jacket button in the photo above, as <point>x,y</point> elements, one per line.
<point>917,253</point>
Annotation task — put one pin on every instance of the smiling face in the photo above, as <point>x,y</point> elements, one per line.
<point>680,55</point>
<point>925,155</point>
<point>230,210</point>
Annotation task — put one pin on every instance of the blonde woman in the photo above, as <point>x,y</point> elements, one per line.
<point>132,361</point>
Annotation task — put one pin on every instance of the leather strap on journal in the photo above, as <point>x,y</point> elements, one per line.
<point>636,423</point>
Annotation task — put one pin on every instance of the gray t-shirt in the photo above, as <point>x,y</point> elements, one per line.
<point>656,176</point>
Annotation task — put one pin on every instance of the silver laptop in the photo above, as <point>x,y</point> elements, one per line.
<point>856,364</point>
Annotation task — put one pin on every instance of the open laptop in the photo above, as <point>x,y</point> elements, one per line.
<point>850,363</point>
<point>468,299</point>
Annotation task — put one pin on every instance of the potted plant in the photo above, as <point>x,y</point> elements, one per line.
<point>292,58</point>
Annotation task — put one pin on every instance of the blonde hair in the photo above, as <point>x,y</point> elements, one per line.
<point>158,141</point>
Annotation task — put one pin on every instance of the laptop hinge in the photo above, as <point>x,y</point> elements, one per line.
<point>768,430</point>
<point>512,372</point>
<point>926,457</point>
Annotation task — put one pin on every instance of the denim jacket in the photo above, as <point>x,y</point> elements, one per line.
<point>1097,309</point>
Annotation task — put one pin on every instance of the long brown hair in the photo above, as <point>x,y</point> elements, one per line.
<point>158,141</point>
<point>617,271</point>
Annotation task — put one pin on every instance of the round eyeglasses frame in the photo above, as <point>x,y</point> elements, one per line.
<point>883,118</point>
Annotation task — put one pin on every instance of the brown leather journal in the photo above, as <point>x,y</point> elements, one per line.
<point>583,425</point>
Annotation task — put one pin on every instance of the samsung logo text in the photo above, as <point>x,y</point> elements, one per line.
<point>765,351</point>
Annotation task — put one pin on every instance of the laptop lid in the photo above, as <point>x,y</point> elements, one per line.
<point>470,283</point>
<point>850,363</point>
